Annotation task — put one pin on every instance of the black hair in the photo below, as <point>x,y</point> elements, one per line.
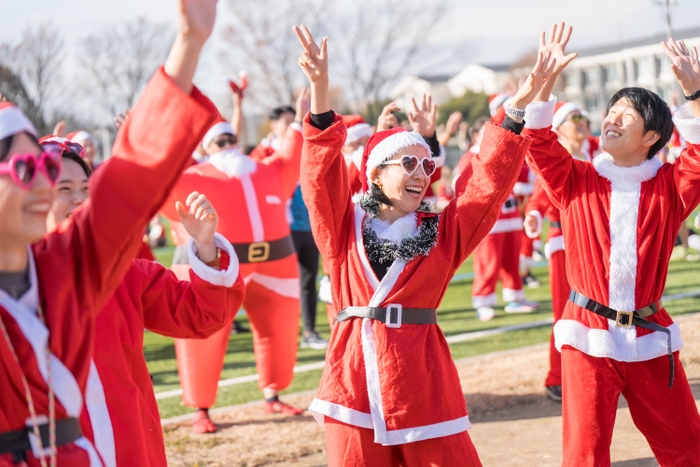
<point>655,112</point>
<point>477,126</point>
<point>5,145</point>
<point>277,112</point>
<point>378,194</point>
<point>78,160</point>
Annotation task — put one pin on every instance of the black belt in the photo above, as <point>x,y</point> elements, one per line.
<point>259,252</point>
<point>17,442</point>
<point>626,319</point>
<point>555,224</point>
<point>510,203</point>
<point>393,315</point>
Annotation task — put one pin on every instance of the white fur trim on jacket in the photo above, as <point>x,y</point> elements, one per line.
<point>539,115</point>
<point>605,166</point>
<point>218,129</point>
<point>396,231</point>
<point>223,278</point>
<point>538,231</point>
<point>553,245</point>
<point>513,224</point>
<point>359,131</point>
<point>621,344</point>
<point>563,112</point>
<point>281,286</point>
<point>523,188</point>
<point>440,159</point>
<point>389,146</point>
<point>688,126</point>
<point>233,163</point>
<point>100,421</point>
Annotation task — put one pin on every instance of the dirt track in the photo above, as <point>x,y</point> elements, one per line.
<point>513,423</point>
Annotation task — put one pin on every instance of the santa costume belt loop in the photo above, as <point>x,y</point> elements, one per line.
<point>17,442</point>
<point>626,319</point>
<point>394,315</point>
<point>555,224</point>
<point>259,252</point>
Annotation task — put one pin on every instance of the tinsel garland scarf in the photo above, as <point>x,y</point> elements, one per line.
<point>382,250</point>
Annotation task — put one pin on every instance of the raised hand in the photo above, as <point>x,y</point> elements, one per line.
<point>197,18</point>
<point>556,47</point>
<point>200,219</point>
<point>120,117</point>
<point>60,129</point>
<point>684,64</point>
<point>314,60</point>
<point>423,119</point>
<point>387,120</point>
<point>532,85</point>
<point>303,104</point>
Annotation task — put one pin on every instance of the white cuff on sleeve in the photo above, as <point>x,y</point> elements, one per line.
<point>297,126</point>
<point>224,278</point>
<point>536,233</point>
<point>539,115</point>
<point>688,126</point>
<point>440,159</point>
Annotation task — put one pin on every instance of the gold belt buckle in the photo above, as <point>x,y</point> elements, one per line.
<point>624,319</point>
<point>258,252</point>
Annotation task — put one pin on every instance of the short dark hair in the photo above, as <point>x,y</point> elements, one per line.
<point>655,112</point>
<point>6,144</point>
<point>277,112</point>
<point>78,160</point>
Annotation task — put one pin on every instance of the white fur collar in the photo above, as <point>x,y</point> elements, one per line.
<point>605,166</point>
<point>406,226</point>
<point>233,163</point>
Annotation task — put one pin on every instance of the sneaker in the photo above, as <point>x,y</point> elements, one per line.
<point>485,313</point>
<point>531,281</point>
<point>311,340</point>
<point>238,328</point>
<point>523,306</point>
<point>553,392</point>
<point>202,423</point>
<point>282,408</point>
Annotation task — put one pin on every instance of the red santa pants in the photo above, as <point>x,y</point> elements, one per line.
<point>559,286</point>
<point>497,256</point>
<point>274,319</point>
<point>668,418</point>
<point>349,445</point>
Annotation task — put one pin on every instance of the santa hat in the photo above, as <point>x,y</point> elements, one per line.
<point>357,128</point>
<point>561,111</point>
<point>496,101</point>
<point>80,137</point>
<point>384,145</point>
<point>221,127</point>
<point>13,121</point>
<point>68,155</point>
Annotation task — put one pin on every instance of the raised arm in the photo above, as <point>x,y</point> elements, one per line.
<point>535,209</point>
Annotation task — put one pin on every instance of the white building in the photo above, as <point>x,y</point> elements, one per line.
<point>488,79</point>
<point>416,86</point>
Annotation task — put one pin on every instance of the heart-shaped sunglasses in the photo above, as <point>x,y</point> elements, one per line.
<point>23,168</point>
<point>411,163</point>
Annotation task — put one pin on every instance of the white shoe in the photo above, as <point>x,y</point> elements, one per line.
<point>485,313</point>
<point>522,306</point>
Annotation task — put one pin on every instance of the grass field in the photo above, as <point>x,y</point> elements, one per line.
<point>455,315</point>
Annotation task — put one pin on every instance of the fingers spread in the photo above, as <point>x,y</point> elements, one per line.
<point>191,198</point>
<point>302,39</point>
<point>324,49</point>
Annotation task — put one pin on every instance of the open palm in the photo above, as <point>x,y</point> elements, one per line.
<point>555,47</point>
<point>684,64</point>
<point>197,18</point>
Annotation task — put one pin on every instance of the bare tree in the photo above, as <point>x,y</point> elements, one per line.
<point>119,62</point>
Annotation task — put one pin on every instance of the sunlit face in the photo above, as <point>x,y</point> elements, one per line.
<point>405,191</point>
<point>623,135</point>
<point>72,191</point>
<point>279,126</point>
<point>574,128</point>
<point>90,150</point>
<point>221,143</point>
<point>24,212</point>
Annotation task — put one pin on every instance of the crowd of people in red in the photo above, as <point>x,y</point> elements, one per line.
<point>78,286</point>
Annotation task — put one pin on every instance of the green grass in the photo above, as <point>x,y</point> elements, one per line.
<point>455,315</point>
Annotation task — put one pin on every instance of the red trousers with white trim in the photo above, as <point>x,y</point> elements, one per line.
<point>668,418</point>
<point>528,245</point>
<point>559,286</point>
<point>497,256</point>
<point>349,445</point>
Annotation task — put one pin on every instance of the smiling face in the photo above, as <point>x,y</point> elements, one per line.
<point>72,191</point>
<point>575,132</point>
<point>24,212</point>
<point>623,135</point>
<point>404,191</point>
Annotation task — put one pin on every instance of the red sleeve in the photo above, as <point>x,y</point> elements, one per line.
<point>287,159</point>
<point>482,188</point>
<point>325,187</point>
<point>183,309</point>
<point>151,150</point>
<point>538,201</point>
<point>145,252</point>
<point>260,153</point>
<point>686,173</point>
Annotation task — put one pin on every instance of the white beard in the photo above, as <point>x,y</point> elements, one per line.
<point>233,163</point>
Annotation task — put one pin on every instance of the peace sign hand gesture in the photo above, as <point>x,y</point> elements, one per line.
<point>314,60</point>
<point>423,119</point>
<point>684,64</point>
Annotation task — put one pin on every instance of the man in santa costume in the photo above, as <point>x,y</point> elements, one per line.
<point>121,414</point>
<point>252,197</point>
<point>56,285</point>
<point>570,126</point>
<point>621,215</point>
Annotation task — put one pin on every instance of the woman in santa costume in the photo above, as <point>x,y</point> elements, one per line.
<point>121,414</point>
<point>621,215</point>
<point>252,197</point>
<point>390,393</point>
<point>52,287</point>
<point>570,126</point>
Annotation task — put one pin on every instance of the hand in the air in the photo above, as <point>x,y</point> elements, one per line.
<point>314,60</point>
<point>684,64</point>
<point>530,224</point>
<point>423,119</point>
<point>387,120</point>
<point>60,129</point>
<point>200,219</point>
<point>120,118</point>
<point>197,18</point>
<point>303,104</point>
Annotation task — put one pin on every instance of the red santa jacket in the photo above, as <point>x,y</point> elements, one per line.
<point>121,415</point>
<point>621,225</point>
<point>76,268</point>
<point>540,206</point>
<point>401,382</point>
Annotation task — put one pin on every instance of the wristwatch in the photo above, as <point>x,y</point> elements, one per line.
<point>693,96</point>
